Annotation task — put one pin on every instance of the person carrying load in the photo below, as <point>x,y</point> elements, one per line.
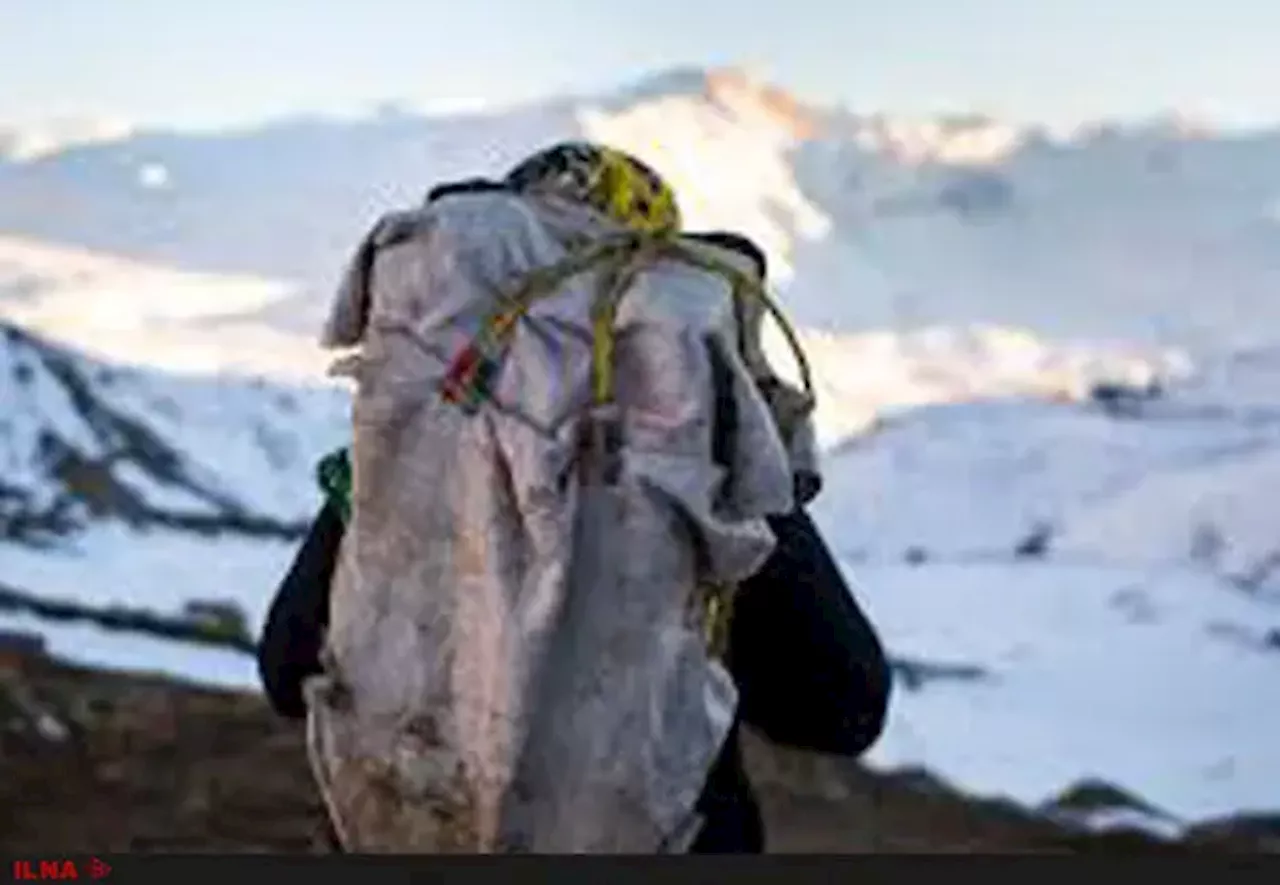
<point>568,456</point>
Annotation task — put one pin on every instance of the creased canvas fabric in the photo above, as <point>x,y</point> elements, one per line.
<point>514,661</point>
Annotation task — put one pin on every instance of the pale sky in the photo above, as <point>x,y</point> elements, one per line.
<point>210,63</point>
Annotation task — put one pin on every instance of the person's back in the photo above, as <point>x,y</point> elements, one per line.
<point>516,659</point>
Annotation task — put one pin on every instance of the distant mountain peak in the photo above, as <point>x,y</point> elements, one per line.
<point>726,85</point>
<point>732,88</point>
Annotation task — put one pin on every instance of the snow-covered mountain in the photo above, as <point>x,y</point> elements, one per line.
<point>83,440</point>
<point>1046,367</point>
<point>921,222</point>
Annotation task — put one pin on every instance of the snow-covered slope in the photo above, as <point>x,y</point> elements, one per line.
<point>862,379</point>
<point>1046,367</point>
<point>82,440</point>
<point>1157,680</point>
<point>125,310</point>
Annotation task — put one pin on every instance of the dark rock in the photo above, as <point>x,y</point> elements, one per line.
<point>19,648</point>
<point>1124,400</point>
<point>1098,795</point>
<point>915,556</point>
<point>1036,544</point>
<point>912,674</point>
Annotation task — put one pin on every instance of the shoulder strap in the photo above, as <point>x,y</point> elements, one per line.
<point>745,286</point>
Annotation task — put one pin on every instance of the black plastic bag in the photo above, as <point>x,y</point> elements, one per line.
<point>810,669</point>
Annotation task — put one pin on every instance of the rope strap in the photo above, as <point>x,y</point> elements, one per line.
<point>470,378</point>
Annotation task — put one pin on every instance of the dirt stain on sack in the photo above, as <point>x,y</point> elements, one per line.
<point>472,546</point>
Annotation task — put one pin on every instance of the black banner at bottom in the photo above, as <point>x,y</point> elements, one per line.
<point>791,870</point>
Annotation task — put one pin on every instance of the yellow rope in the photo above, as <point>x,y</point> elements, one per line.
<point>632,252</point>
<point>626,256</point>
<point>743,284</point>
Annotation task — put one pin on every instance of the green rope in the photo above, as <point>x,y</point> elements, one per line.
<point>334,476</point>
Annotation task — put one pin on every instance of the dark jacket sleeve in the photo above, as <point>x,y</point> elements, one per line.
<point>289,650</point>
<point>811,671</point>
